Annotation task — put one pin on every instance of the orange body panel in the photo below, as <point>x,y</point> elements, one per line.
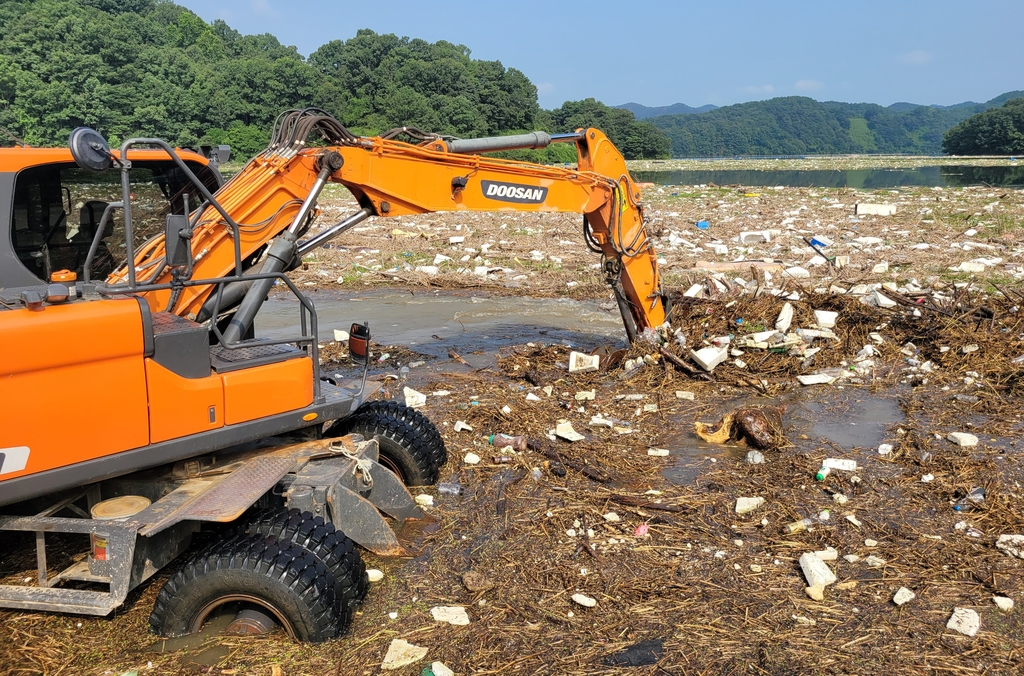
<point>267,390</point>
<point>182,406</point>
<point>72,382</point>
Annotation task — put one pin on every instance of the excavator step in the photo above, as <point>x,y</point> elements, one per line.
<point>230,496</point>
<point>224,360</point>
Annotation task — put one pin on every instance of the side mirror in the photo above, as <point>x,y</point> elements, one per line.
<point>359,343</point>
<point>89,149</point>
<point>216,154</point>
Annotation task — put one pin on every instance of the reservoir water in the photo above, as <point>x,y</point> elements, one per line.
<point>869,179</point>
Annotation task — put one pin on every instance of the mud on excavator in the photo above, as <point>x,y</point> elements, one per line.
<point>138,270</point>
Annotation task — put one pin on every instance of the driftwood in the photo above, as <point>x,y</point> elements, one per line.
<point>589,471</point>
<point>757,426</point>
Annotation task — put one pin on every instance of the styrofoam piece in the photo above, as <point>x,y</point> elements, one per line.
<point>414,399</point>
<point>867,209</point>
<point>695,291</point>
<point>565,431</point>
<point>785,318</point>
<point>815,379</point>
<point>709,357</point>
<point>747,505</point>
<point>755,237</point>
<point>582,363</point>
<point>825,318</point>
<point>816,572</point>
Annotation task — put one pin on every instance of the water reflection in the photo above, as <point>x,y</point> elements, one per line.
<point>869,179</point>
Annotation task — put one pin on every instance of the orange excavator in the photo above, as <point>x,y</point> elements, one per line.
<point>151,292</point>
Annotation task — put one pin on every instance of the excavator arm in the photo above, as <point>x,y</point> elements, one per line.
<point>272,204</point>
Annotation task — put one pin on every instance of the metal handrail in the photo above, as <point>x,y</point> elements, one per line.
<point>97,238</point>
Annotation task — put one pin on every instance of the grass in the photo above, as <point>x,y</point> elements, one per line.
<point>1005,223</point>
<point>999,278</point>
<point>861,135</point>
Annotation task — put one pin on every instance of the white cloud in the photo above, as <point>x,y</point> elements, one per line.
<point>545,88</point>
<point>808,85</point>
<point>758,89</point>
<point>263,8</point>
<point>917,57</point>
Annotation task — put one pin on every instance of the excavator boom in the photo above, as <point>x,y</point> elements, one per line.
<point>274,196</point>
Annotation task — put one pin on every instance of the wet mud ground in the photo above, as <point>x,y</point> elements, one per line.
<point>722,591</point>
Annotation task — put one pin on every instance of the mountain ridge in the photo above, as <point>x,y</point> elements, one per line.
<point>797,125</point>
<point>642,112</point>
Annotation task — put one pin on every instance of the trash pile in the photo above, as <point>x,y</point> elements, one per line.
<point>674,504</point>
<point>842,238</point>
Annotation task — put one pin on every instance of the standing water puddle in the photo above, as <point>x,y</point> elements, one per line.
<point>848,419</point>
<point>206,638</point>
<point>434,322</point>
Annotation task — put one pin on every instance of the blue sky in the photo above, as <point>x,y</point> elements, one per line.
<point>661,52</point>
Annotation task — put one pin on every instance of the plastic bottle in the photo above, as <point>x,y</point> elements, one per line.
<point>452,487</point>
<point>798,526</point>
<point>504,440</point>
<point>971,500</point>
<point>822,473</point>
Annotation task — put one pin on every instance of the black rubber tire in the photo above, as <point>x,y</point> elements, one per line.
<point>281,574</point>
<point>409,442</point>
<point>328,544</point>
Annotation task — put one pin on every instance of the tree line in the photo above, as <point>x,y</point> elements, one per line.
<point>999,131</point>
<point>802,126</point>
<point>153,68</point>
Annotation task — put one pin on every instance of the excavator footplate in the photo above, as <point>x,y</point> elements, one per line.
<point>229,497</point>
<point>225,360</point>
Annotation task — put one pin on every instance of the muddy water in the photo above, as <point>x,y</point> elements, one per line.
<point>850,421</point>
<point>434,322</point>
<point>209,652</point>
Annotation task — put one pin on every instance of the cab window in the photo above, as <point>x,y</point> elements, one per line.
<point>58,208</point>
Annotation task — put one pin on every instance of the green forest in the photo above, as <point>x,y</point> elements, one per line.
<point>798,125</point>
<point>998,131</point>
<point>153,68</point>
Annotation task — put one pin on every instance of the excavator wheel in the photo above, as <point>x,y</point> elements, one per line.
<point>410,445</point>
<point>328,544</point>
<point>276,577</point>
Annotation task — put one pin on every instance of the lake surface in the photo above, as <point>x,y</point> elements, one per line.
<point>944,176</point>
